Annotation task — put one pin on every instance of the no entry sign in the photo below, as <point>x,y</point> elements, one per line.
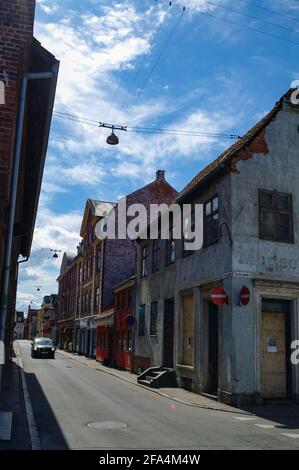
<point>244,295</point>
<point>218,296</point>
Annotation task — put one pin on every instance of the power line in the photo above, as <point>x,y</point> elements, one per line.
<point>159,56</point>
<point>151,130</point>
<point>247,15</point>
<point>141,64</point>
<point>126,71</point>
<point>161,53</point>
<point>251,28</point>
<point>269,10</point>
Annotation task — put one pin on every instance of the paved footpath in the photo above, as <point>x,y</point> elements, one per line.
<point>177,394</point>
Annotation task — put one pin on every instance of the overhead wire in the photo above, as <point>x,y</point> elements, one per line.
<point>142,62</point>
<point>248,15</point>
<point>121,81</point>
<point>147,130</point>
<point>173,30</point>
<point>251,28</point>
<point>269,10</point>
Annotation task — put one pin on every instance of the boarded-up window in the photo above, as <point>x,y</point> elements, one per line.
<point>188,329</point>
<point>275,216</point>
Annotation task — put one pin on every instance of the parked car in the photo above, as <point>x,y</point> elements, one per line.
<point>42,347</point>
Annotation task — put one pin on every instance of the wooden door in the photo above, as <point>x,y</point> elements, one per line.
<point>168,333</point>
<point>273,355</point>
<point>188,329</point>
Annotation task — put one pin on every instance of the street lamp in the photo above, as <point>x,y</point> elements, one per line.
<point>112,139</point>
<point>55,255</point>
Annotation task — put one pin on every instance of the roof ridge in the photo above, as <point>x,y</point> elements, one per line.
<point>233,149</point>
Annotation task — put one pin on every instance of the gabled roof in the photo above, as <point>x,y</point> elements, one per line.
<point>97,209</point>
<point>67,259</point>
<point>229,153</point>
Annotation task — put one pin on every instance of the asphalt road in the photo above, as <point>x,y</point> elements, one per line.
<point>66,395</point>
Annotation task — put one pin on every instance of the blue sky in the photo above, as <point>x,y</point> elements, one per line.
<point>123,62</point>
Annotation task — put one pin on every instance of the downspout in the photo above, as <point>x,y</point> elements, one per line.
<point>13,202</point>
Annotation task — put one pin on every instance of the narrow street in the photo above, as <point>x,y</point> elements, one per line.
<point>66,395</point>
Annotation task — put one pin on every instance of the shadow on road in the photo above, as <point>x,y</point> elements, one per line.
<point>49,431</point>
<point>286,416</point>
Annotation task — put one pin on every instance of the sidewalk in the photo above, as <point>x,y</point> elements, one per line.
<point>12,399</point>
<point>176,394</point>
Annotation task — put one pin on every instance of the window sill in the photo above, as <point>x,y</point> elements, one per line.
<point>184,366</point>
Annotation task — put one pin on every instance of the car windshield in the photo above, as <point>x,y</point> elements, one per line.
<point>44,341</point>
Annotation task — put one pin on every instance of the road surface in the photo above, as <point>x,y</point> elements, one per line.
<point>66,396</point>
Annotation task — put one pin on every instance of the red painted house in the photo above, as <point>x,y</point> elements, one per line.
<point>105,338</point>
<point>123,324</point>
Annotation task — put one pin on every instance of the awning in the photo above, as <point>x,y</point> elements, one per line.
<point>106,318</point>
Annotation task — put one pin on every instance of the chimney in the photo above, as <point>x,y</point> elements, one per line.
<point>160,175</point>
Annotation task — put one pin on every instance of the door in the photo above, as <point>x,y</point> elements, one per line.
<point>213,347</point>
<point>273,355</point>
<point>188,329</point>
<point>168,333</point>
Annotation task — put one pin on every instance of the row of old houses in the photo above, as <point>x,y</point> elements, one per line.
<point>222,319</point>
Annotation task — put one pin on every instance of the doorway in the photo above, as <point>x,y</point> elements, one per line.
<point>168,325</point>
<point>213,348</point>
<point>276,372</point>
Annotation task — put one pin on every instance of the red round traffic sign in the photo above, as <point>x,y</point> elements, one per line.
<point>245,295</point>
<point>218,296</point>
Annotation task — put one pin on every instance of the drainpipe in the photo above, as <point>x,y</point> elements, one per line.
<point>13,201</point>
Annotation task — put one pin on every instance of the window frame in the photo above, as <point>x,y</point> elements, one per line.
<point>276,210</point>
<point>156,249</point>
<point>170,248</point>
<point>154,318</point>
<point>207,239</point>
<point>141,324</point>
<point>144,260</point>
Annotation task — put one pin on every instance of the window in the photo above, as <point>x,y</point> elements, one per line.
<point>141,329</point>
<point>170,248</point>
<point>99,259</point>
<point>275,216</point>
<point>156,255</point>
<point>154,319</point>
<point>189,227</point>
<point>144,261</point>
<point>211,221</point>
<point>97,296</point>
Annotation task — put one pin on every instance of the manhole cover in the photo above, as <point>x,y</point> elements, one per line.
<point>106,425</point>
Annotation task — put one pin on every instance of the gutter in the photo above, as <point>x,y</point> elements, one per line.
<point>52,75</point>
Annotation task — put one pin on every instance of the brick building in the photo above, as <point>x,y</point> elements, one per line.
<point>100,264</point>
<point>124,320</point>
<point>28,75</point>
<point>66,300</point>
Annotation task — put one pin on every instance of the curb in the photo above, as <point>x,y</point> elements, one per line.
<point>114,374</point>
<point>34,436</point>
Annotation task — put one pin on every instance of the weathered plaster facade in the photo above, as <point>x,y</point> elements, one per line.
<point>266,158</point>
